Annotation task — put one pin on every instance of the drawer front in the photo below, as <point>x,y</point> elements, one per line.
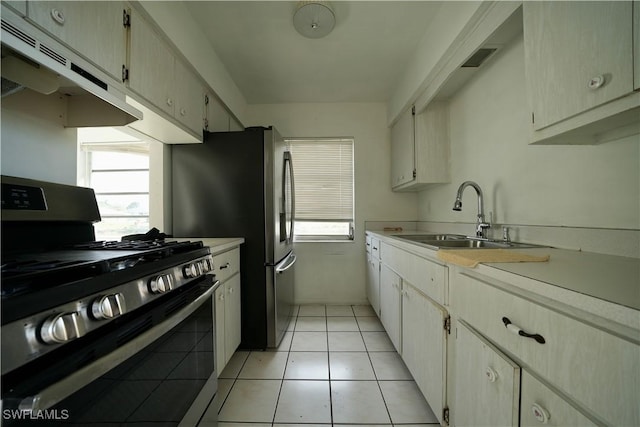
<point>539,405</point>
<point>226,264</point>
<point>597,369</point>
<point>426,276</point>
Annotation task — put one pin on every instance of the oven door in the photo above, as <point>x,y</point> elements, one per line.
<point>155,365</point>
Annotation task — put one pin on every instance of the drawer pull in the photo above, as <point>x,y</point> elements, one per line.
<point>227,265</point>
<point>516,330</point>
<point>491,374</point>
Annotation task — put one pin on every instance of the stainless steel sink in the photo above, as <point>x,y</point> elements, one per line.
<point>420,238</point>
<point>458,241</point>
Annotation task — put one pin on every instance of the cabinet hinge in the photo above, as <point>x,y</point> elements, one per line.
<point>206,124</point>
<point>414,174</point>
<point>445,415</point>
<point>533,117</point>
<point>413,110</point>
<point>125,73</point>
<point>126,19</point>
<point>447,324</point>
<point>206,100</point>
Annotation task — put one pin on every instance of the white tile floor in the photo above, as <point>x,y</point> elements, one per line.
<point>334,366</point>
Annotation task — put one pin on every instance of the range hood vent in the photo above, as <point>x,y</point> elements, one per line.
<point>47,68</point>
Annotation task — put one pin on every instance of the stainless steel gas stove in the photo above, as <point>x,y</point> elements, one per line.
<point>82,318</point>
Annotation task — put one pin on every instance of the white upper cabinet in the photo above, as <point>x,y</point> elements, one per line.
<point>151,66</point>
<point>579,65</point>
<point>420,148</point>
<point>94,29</point>
<point>217,118</point>
<point>189,98</point>
<point>402,150</point>
<point>162,79</point>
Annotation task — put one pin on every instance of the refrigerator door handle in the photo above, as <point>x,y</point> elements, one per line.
<point>286,264</point>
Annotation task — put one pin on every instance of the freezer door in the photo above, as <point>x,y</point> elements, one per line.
<point>280,294</point>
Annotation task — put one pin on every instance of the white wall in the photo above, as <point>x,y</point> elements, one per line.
<point>34,143</point>
<point>335,272</point>
<point>578,186</point>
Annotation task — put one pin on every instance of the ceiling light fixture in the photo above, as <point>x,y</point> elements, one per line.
<point>314,19</point>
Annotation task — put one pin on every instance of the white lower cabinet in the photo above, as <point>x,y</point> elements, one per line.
<point>373,282</point>
<point>539,405</point>
<point>424,345</point>
<point>391,305</point>
<point>487,383</point>
<point>227,306</point>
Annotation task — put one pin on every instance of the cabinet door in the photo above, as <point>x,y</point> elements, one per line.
<point>151,69</point>
<point>217,116</point>
<point>94,29</point>
<point>432,144</point>
<point>568,46</point>
<point>424,343</point>
<point>402,149</point>
<point>539,405</point>
<point>189,98</point>
<point>373,283</point>
<point>232,316</point>
<point>219,297</point>
<point>487,383</point>
<point>391,305</point>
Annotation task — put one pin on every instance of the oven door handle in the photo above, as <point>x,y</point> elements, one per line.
<point>56,392</point>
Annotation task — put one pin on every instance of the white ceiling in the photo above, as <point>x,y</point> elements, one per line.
<point>361,60</point>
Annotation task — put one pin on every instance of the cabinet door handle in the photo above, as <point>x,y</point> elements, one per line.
<point>227,265</point>
<point>596,82</point>
<point>540,414</point>
<point>491,374</point>
<point>518,331</point>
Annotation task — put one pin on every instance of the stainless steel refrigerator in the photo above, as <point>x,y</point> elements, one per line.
<point>240,184</point>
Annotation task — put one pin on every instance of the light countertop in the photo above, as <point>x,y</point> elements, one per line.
<point>614,279</point>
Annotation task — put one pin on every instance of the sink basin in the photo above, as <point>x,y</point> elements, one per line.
<point>458,241</point>
<point>420,238</point>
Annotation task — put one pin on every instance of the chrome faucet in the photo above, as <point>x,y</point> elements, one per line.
<point>481,225</point>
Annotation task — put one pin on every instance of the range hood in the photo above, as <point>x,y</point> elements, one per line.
<point>32,60</point>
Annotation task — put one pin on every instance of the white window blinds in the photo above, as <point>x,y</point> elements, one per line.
<point>324,190</point>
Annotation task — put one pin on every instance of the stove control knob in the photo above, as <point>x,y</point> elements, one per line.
<point>161,284</point>
<point>62,328</point>
<point>190,271</point>
<point>108,306</point>
<point>208,265</point>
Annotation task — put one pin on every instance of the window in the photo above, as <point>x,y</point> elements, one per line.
<point>119,175</point>
<point>324,190</point>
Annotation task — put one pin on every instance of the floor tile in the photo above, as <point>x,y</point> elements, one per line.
<point>211,414</point>
<point>358,402</point>
<point>304,402</point>
<point>312,310</point>
<point>309,341</point>
<point>251,401</point>
<point>264,365</point>
<point>307,366</point>
<point>405,403</point>
<point>377,341</point>
<point>238,425</point>
<point>234,365</point>
<point>285,344</point>
<point>388,365</point>
<point>363,310</point>
<point>346,341</point>
<point>370,324</point>
<point>339,310</point>
<point>350,365</point>
<point>311,324</point>
<point>342,323</point>
<point>300,425</point>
